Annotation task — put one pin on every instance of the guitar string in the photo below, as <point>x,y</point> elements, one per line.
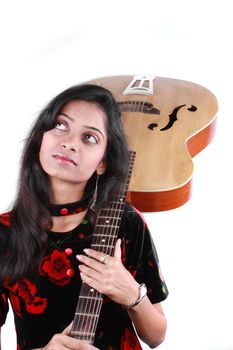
<point>137,106</point>
<point>110,239</point>
<point>94,305</point>
<point>96,302</point>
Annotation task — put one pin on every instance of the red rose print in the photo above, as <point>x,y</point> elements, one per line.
<point>26,292</point>
<point>5,219</point>
<point>21,345</point>
<point>150,263</point>
<point>4,298</point>
<point>130,341</point>
<point>15,304</point>
<point>37,305</point>
<point>55,267</point>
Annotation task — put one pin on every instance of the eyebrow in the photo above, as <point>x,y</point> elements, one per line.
<point>67,116</point>
<point>86,126</point>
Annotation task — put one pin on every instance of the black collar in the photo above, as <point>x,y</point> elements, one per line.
<point>69,208</point>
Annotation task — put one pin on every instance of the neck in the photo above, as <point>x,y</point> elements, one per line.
<point>67,223</point>
<point>66,192</point>
<point>72,208</point>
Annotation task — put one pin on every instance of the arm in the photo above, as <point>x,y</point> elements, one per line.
<point>149,321</point>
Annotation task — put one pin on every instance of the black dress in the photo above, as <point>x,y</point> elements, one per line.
<point>46,305</point>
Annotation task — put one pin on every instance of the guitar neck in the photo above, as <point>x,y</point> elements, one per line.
<point>103,240</point>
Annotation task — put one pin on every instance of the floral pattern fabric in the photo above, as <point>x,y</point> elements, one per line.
<point>46,305</point>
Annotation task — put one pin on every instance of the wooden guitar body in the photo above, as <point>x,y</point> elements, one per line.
<point>167,122</point>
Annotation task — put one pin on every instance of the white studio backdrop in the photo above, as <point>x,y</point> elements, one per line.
<point>47,46</point>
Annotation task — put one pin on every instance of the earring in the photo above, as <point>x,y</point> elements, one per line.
<point>94,198</point>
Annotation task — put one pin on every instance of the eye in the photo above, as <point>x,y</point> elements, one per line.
<point>90,138</point>
<point>60,126</point>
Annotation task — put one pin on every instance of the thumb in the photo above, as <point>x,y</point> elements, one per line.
<point>117,253</point>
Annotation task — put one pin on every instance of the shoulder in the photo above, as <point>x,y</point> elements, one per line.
<point>133,218</point>
<point>132,213</point>
<point>6,219</point>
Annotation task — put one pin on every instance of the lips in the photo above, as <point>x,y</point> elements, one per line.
<point>64,159</point>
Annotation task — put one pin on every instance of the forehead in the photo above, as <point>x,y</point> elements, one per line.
<point>85,111</point>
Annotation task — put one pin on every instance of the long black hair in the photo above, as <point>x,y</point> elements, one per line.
<point>26,244</point>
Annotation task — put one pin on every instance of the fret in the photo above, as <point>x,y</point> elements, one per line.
<point>108,217</point>
<point>108,211</point>
<point>102,240</point>
<point>103,245</point>
<point>90,297</point>
<point>114,212</point>
<point>86,314</point>
<point>101,225</point>
<point>97,235</point>
<point>84,334</point>
<point>117,203</point>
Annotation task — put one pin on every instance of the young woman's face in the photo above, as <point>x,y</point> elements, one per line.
<point>74,149</point>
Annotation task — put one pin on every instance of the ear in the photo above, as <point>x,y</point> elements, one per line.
<point>101,168</point>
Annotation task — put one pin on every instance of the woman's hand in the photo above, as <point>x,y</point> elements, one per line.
<point>63,341</point>
<point>108,275</point>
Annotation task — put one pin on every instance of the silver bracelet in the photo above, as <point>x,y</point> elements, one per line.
<point>142,291</point>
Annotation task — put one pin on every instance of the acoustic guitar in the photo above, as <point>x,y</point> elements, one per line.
<point>167,122</point>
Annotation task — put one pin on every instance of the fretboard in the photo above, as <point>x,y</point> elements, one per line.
<point>103,240</point>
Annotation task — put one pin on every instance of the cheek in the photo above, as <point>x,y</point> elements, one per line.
<point>99,164</point>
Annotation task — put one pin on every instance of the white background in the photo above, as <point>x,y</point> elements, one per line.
<point>47,46</point>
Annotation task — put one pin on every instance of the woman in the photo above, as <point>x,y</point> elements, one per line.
<point>74,162</point>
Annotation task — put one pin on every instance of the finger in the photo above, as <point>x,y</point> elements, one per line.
<point>89,271</point>
<point>67,329</point>
<point>92,282</point>
<point>117,253</point>
<point>90,262</point>
<point>99,256</point>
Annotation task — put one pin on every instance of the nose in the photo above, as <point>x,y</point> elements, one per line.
<point>69,144</point>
